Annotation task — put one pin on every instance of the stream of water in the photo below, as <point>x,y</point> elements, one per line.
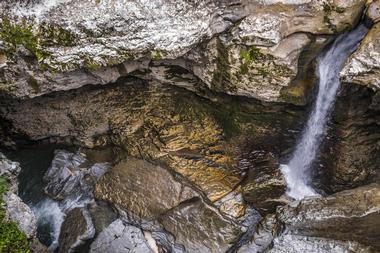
<point>297,172</point>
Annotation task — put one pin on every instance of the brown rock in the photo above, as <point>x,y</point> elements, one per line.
<point>144,189</point>
<point>75,230</point>
<point>200,228</point>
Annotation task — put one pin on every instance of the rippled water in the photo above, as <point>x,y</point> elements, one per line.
<point>297,171</point>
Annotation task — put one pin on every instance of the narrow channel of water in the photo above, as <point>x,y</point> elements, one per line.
<point>297,172</point>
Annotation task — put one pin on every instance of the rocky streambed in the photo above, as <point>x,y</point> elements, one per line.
<point>160,126</point>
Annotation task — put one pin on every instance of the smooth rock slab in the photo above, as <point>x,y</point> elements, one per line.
<point>144,189</point>
<point>199,227</point>
<point>120,238</point>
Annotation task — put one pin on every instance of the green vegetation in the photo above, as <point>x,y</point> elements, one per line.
<point>157,55</point>
<point>252,55</point>
<point>52,35</point>
<point>12,240</point>
<point>15,35</point>
<point>221,76</point>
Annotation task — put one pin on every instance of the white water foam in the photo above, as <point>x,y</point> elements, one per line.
<point>297,171</point>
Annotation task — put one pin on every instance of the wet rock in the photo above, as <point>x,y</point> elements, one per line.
<point>75,230</point>
<point>353,151</point>
<point>20,213</point>
<point>299,244</point>
<point>102,215</point>
<point>199,227</point>
<point>118,237</point>
<point>265,183</point>
<point>363,65</point>
<point>144,189</point>
<point>346,221</point>
<point>67,175</point>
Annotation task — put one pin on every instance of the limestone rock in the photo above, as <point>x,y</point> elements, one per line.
<point>373,11</point>
<point>300,244</point>
<point>354,150</point>
<point>21,213</point>
<point>10,170</point>
<point>67,175</point>
<point>200,227</point>
<point>344,222</point>
<point>75,230</point>
<point>144,189</point>
<point>363,65</point>
<point>253,48</point>
<point>264,184</point>
<point>118,238</point>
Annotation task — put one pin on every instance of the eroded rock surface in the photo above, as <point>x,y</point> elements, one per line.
<point>346,221</point>
<point>200,227</point>
<point>142,188</point>
<point>118,237</point>
<point>258,49</point>
<point>75,230</point>
<point>68,176</point>
<point>363,66</point>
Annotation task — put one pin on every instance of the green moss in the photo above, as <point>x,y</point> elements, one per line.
<point>253,54</point>
<point>56,36</point>
<point>12,240</point>
<point>221,77</point>
<point>156,55</point>
<point>15,34</point>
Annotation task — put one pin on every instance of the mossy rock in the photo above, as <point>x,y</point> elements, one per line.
<point>12,240</point>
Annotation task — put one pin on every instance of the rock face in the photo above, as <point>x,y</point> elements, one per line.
<point>118,237</point>
<point>207,231</point>
<point>355,138</point>
<point>346,221</point>
<point>258,49</point>
<point>16,209</point>
<point>167,125</point>
<point>75,230</point>
<point>67,176</point>
<point>21,213</point>
<point>363,66</point>
<point>142,188</point>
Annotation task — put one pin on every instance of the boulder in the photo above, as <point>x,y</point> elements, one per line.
<point>67,176</point>
<point>264,185</point>
<point>363,65</point>
<point>343,222</point>
<point>373,12</point>
<point>144,189</point>
<point>199,227</point>
<point>119,237</point>
<point>76,229</point>
<point>21,213</point>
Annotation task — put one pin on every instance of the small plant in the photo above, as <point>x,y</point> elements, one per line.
<point>12,240</point>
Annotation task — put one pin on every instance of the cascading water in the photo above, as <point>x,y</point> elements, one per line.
<point>297,171</point>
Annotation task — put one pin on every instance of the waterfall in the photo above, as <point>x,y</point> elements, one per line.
<point>297,171</point>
